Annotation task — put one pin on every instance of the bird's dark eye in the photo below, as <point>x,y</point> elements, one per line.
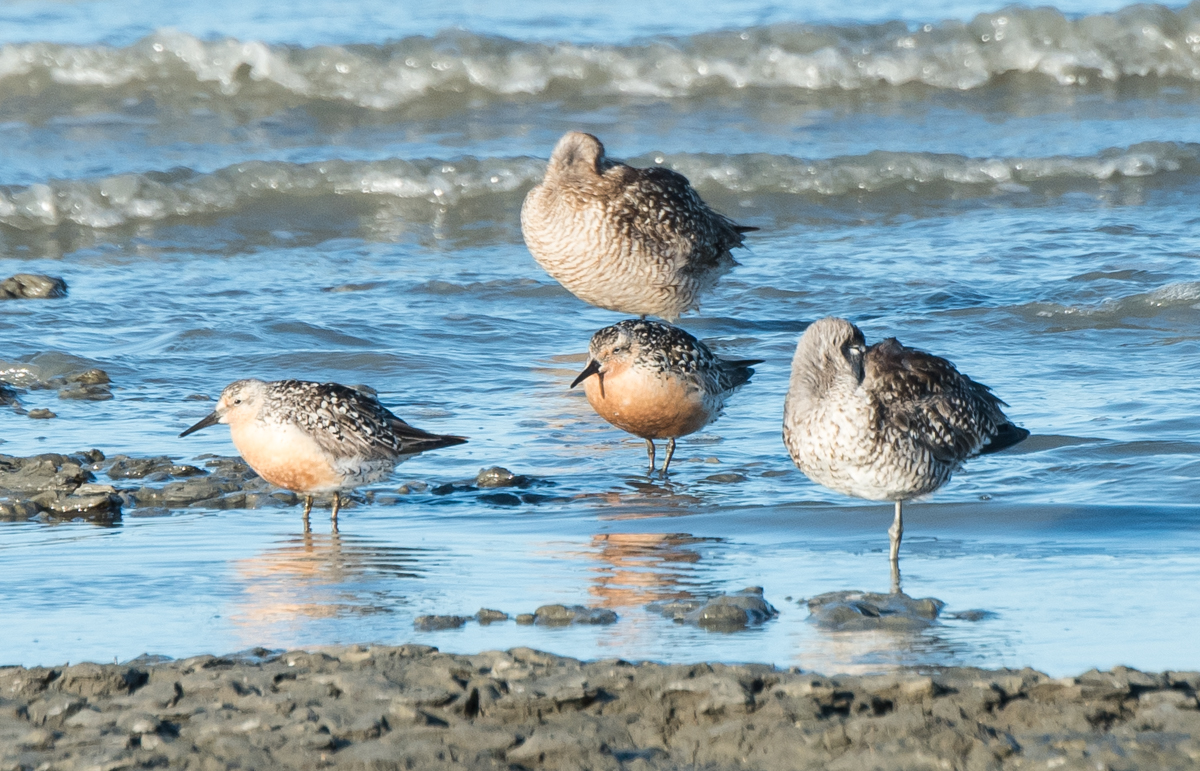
<point>237,401</point>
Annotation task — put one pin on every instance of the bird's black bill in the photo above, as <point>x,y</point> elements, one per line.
<point>211,419</point>
<point>592,368</point>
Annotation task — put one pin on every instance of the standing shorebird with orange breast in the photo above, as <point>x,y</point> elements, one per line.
<point>637,241</point>
<point>316,437</point>
<point>657,381</point>
<point>885,422</point>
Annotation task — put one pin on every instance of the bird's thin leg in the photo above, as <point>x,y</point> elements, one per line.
<point>307,508</point>
<point>670,454</point>
<point>337,504</point>
<point>896,577</point>
<point>650,452</point>
<point>896,532</point>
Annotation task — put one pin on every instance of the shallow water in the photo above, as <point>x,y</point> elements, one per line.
<point>1026,207</point>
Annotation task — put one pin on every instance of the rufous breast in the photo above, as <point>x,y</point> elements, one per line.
<point>646,403</point>
<point>285,456</point>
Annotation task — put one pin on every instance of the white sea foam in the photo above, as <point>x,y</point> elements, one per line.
<point>1140,41</point>
<point>112,201</point>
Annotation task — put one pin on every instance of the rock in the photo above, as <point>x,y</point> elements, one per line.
<point>486,616</point>
<point>41,473</point>
<point>96,506</point>
<point>51,369</point>
<point>32,286</point>
<point>525,619</point>
<point>90,680</point>
<point>88,393</point>
<point>16,510</point>
<point>8,395</point>
<point>432,623</point>
<point>725,479</point>
<point>89,385</point>
<point>90,377</point>
<point>125,467</point>
<point>854,610</point>
<point>725,612</point>
<point>37,739</point>
<point>496,476</point>
<point>41,414</point>
<point>224,483</point>
<point>562,615</point>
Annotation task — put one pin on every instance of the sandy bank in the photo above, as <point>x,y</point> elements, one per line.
<point>413,707</point>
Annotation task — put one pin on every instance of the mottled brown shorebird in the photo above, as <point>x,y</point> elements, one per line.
<point>637,241</point>
<point>886,423</point>
<point>657,381</point>
<point>316,437</point>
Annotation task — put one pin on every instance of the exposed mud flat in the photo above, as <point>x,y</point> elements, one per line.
<point>413,707</point>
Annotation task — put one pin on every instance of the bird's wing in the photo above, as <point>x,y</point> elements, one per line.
<point>345,421</point>
<point>943,409</point>
<point>659,205</point>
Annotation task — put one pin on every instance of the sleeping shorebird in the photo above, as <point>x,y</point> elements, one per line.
<point>885,423</point>
<point>637,241</point>
<point>316,437</point>
<point>657,381</point>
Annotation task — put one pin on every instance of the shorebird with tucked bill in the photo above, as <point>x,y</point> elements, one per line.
<point>636,241</point>
<point>885,422</point>
<point>657,381</point>
<point>316,437</point>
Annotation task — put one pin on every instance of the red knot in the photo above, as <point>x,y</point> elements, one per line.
<point>657,381</point>
<point>316,437</point>
<point>636,241</point>
<point>885,422</point>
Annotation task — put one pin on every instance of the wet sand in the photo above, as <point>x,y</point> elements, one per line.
<point>414,707</point>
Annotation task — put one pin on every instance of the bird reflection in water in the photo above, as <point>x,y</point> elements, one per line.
<point>640,568</point>
<point>312,577</point>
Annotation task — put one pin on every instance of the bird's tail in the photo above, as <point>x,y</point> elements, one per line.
<point>416,440</point>
<point>739,372</point>
<point>1006,436</point>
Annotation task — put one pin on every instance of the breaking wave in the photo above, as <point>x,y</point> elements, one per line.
<point>181,193</point>
<point>1142,41</point>
<point>1181,295</point>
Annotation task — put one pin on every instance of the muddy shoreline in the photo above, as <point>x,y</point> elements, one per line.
<point>382,707</point>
